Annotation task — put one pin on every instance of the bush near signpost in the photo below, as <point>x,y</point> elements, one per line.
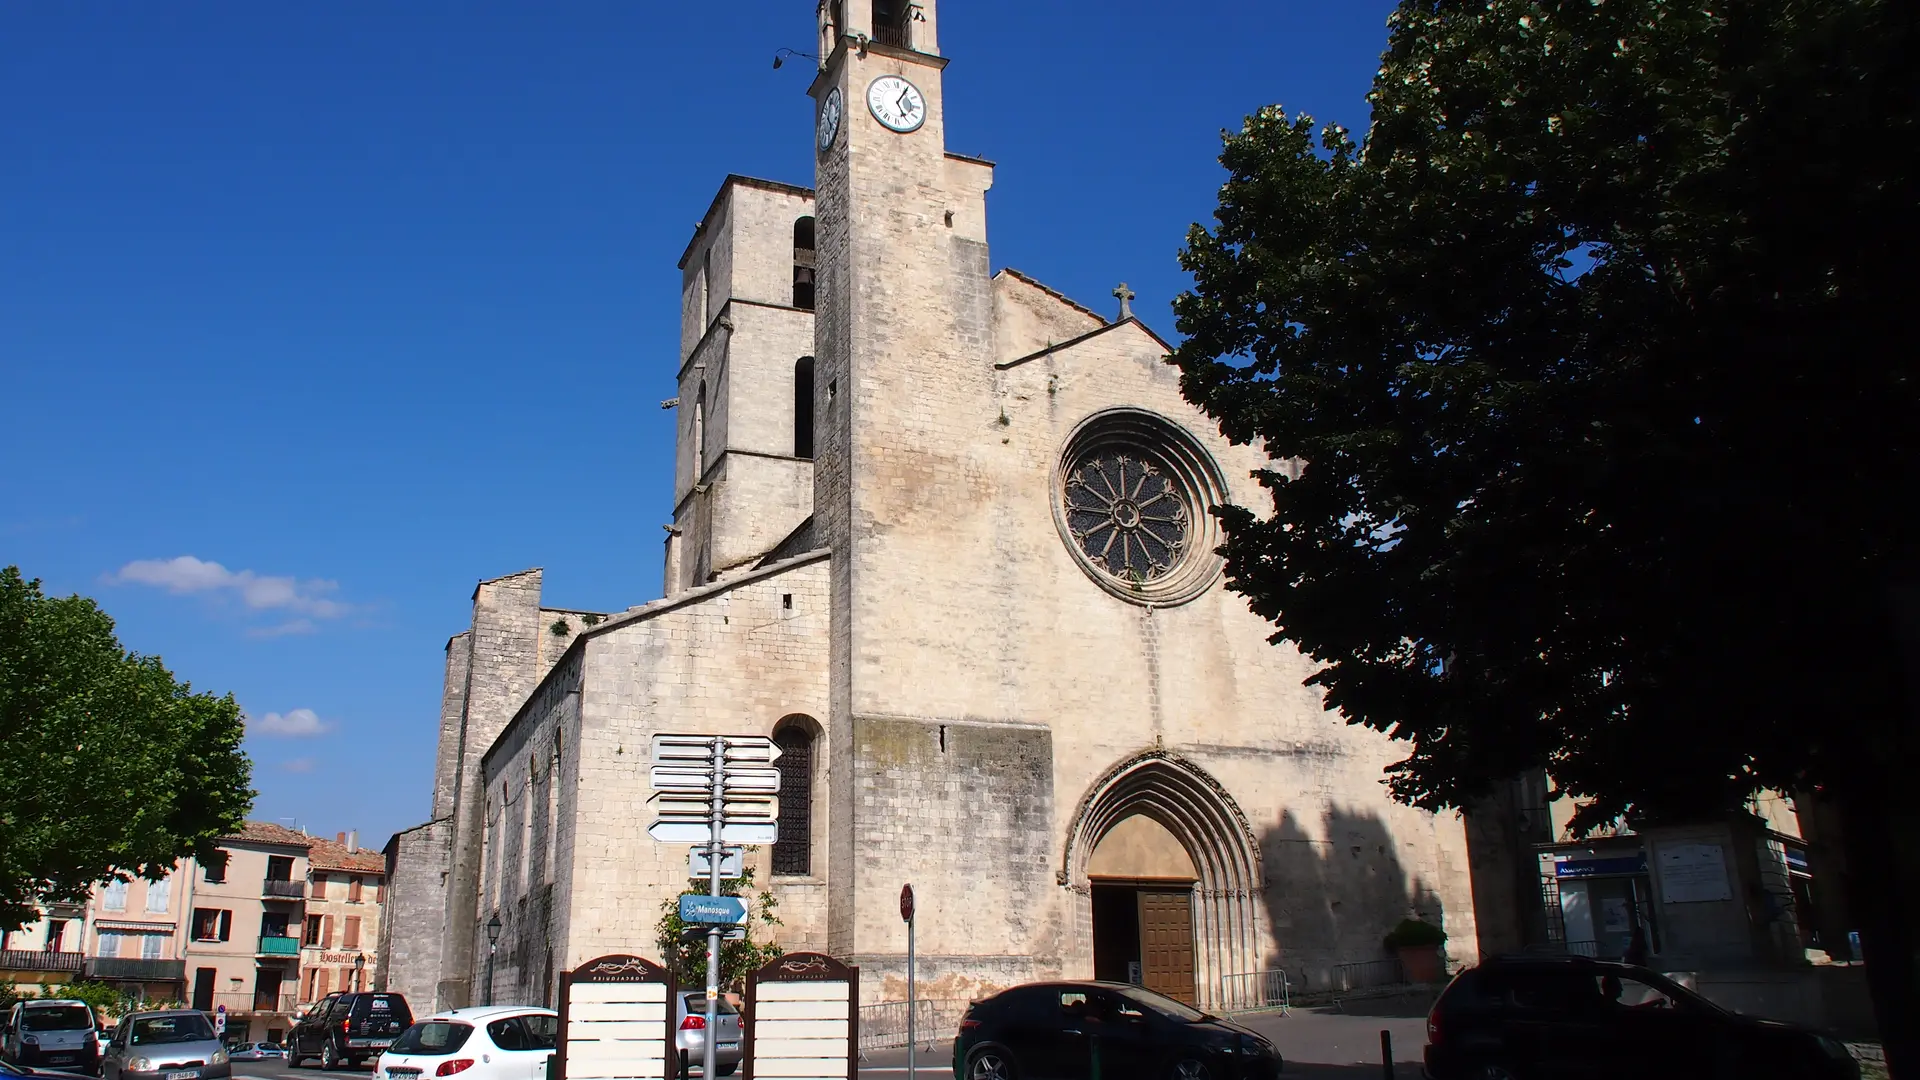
<point>688,959</point>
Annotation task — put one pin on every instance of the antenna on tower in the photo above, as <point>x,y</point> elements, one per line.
<point>780,57</point>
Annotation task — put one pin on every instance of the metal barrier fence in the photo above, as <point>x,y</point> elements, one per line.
<point>1366,974</point>
<point>1251,990</point>
<point>884,1026</point>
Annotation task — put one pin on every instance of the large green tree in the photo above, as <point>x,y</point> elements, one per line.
<point>107,763</point>
<point>1589,378</point>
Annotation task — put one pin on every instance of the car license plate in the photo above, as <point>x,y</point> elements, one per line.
<point>188,1075</point>
<point>729,1046</point>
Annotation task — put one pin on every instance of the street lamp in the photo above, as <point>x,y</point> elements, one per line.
<point>493,939</point>
<point>359,965</point>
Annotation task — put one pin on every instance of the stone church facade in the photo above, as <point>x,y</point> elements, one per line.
<point>942,533</point>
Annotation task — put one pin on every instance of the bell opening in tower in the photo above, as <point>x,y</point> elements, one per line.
<point>891,19</point>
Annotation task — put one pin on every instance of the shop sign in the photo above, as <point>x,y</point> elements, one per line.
<point>1586,868</point>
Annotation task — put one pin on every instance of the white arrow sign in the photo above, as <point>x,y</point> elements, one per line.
<point>744,749</point>
<point>683,807</point>
<point>746,780</point>
<point>682,831</point>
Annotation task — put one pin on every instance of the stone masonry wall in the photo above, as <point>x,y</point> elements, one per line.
<point>414,918</point>
<point>505,665</point>
<point>735,657</point>
<point>453,706</point>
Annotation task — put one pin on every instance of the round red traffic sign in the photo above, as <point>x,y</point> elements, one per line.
<point>906,903</point>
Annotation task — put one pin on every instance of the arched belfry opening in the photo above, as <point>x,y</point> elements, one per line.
<point>803,263</point>
<point>1170,877</point>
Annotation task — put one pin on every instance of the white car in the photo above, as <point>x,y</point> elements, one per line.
<point>495,1042</point>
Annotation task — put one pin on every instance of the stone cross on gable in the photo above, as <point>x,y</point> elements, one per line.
<point>1126,296</point>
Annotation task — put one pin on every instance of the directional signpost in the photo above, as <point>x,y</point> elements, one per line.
<point>715,790</point>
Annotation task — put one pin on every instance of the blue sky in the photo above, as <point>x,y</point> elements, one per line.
<point>312,316</point>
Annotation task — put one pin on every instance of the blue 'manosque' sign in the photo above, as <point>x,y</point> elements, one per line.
<point>727,910</point>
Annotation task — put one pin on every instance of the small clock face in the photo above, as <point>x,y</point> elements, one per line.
<point>829,124</point>
<point>896,103</point>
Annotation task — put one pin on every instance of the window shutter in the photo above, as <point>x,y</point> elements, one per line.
<point>320,984</point>
<point>350,937</point>
<point>152,945</point>
<point>109,943</point>
<point>226,925</point>
<point>326,931</point>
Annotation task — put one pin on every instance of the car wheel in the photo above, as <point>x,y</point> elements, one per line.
<point>1190,1068</point>
<point>725,1070</point>
<point>991,1063</point>
<point>327,1061</point>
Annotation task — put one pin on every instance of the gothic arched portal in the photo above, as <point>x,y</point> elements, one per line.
<point>1185,801</point>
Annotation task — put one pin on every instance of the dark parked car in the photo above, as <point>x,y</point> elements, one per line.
<point>1576,1018</point>
<point>348,1028</point>
<point>1059,1031</point>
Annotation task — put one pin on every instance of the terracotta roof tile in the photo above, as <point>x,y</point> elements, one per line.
<point>263,832</point>
<point>332,855</point>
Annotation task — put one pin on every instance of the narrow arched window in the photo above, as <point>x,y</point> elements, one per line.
<point>803,262</point>
<point>699,452</point>
<point>803,407</point>
<point>793,852</point>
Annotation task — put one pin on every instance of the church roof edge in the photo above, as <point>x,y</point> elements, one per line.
<point>1131,320</point>
<point>641,614</point>
<point>970,158</point>
<point>1048,289</point>
<point>727,185</point>
<point>483,582</point>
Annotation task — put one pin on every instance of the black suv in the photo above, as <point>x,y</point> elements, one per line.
<point>346,1029</point>
<point>1114,1031</point>
<point>1574,1018</point>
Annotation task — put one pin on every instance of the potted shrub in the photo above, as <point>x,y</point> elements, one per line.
<point>1418,945</point>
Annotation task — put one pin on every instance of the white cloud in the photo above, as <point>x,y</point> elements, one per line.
<point>293,724</point>
<point>184,574</point>
<point>299,765</point>
<point>293,626</point>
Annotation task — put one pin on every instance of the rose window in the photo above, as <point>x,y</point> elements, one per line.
<point>1131,498</point>
<point>1127,516</point>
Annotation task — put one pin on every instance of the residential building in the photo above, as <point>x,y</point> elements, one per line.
<point>345,894</point>
<point>46,952</point>
<point>135,936</point>
<point>242,948</point>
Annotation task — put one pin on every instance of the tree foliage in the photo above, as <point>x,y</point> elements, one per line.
<point>107,763</point>
<point>1591,395</point>
<point>1589,390</point>
<point>687,959</point>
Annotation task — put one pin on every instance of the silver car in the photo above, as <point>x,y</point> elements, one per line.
<point>691,1034</point>
<point>178,1044</point>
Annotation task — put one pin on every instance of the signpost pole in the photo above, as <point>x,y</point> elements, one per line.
<point>906,912</point>
<point>714,932</point>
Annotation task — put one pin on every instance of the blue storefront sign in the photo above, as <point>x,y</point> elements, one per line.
<point>1586,868</point>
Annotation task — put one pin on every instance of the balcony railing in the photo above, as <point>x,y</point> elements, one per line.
<point>240,1002</point>
<point>271,945</point>
<point>275,889</point>
<point>136,969</point>
<point>36,960</point>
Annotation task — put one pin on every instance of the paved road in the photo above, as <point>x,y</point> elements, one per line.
<point>1317,1044</point>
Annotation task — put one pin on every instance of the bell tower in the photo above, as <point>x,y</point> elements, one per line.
<point>904,402</point>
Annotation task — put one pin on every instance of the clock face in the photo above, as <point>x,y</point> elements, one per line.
<point>829,124</point>
<point>896,103</point>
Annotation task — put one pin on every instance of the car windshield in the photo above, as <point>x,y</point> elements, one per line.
<point>186,1027</point>
<point>1164,1005</point>
<point>56,1018</point>
<point>697,1006</point>
<point>432,1038</point>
